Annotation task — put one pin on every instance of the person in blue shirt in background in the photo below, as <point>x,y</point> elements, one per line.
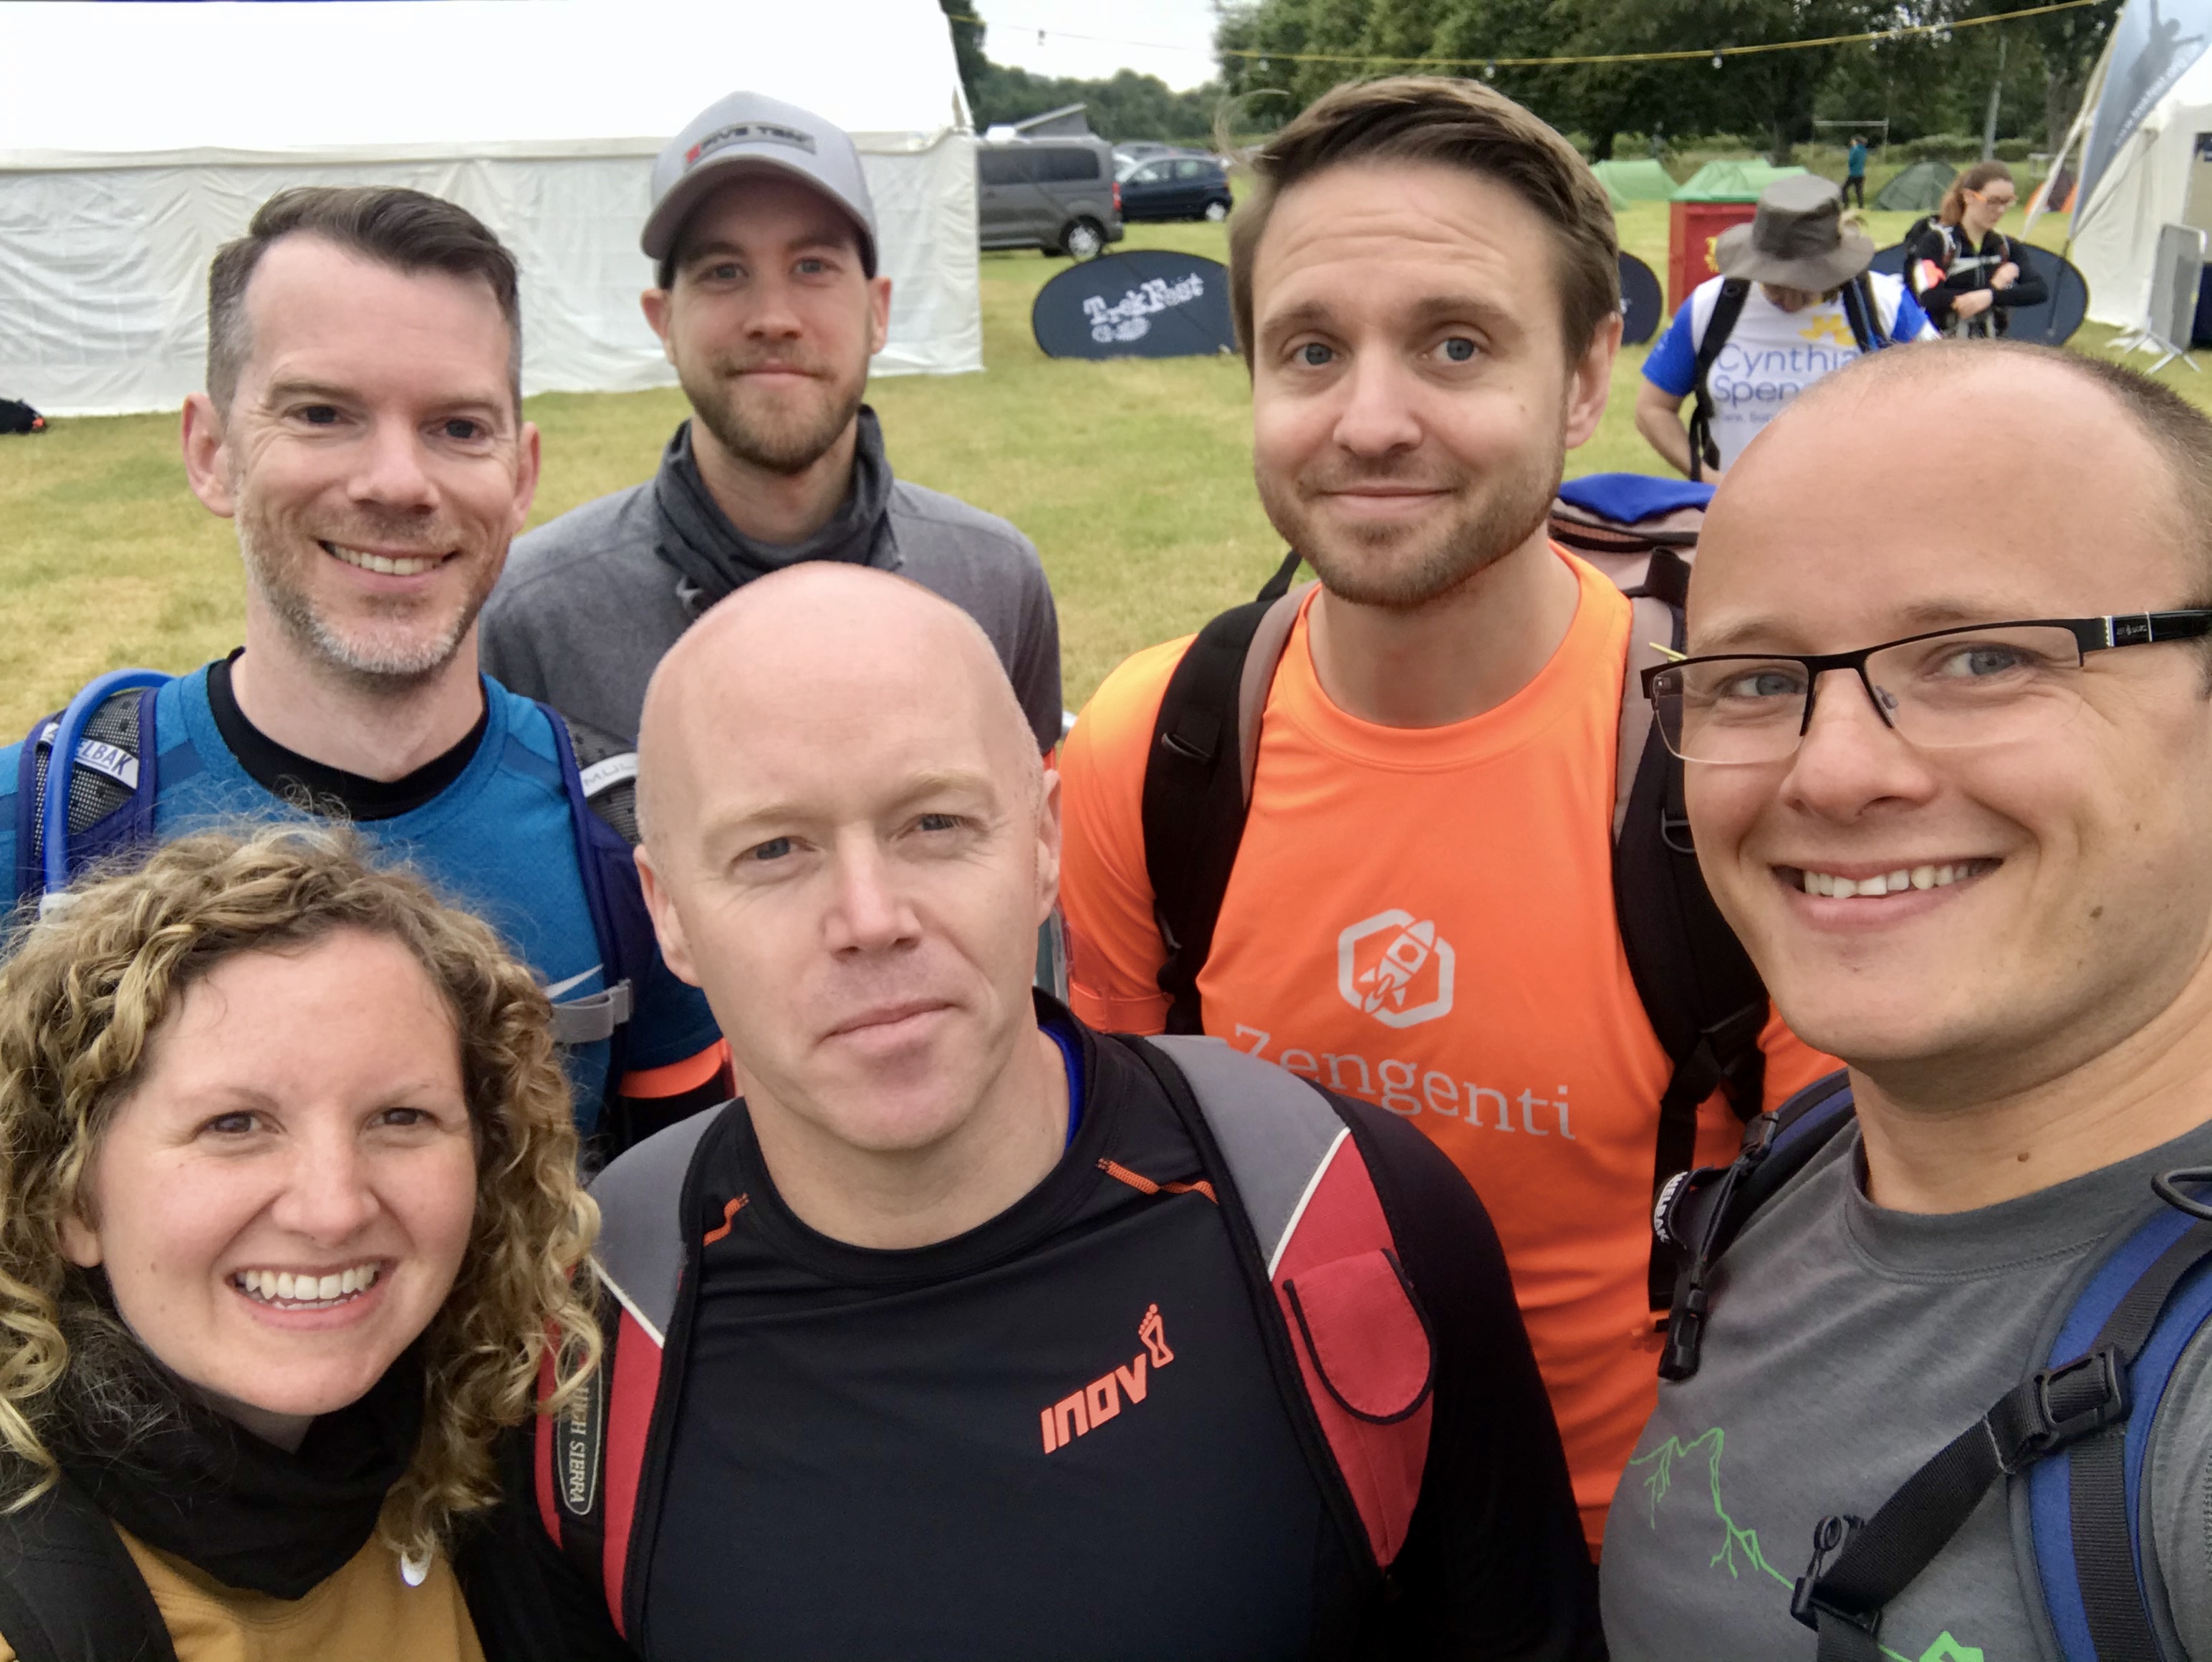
<point>1854,171</point>
<point>362,426</point>
<point>1794,302</point>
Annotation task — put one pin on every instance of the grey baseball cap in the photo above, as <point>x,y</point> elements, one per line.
<point>744,133</point>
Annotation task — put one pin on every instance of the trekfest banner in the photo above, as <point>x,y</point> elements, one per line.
<point>2153,43</point>
<point>1150,303</point>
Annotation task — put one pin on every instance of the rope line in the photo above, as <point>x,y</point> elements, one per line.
<point>1903,31</point>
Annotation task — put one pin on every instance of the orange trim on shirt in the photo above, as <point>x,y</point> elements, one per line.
<point>677,1077</point>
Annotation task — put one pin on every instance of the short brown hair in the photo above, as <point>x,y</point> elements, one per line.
<point>1460,124</point>
<point>81,1000</point>
<point>406,231</point>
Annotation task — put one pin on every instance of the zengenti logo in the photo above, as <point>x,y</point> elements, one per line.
<point>1396,969</point>
<point>748,132</point>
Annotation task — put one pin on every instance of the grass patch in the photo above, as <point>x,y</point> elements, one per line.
<point>1133,478</point>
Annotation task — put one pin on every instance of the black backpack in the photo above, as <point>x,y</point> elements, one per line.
<point>2092,1394</point>
<point>1860,311</point>
<point>16,417</point>
<point>1703,999</point>
<point>69,1589</point>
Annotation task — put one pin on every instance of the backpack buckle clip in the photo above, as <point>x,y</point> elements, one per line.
<point>1808,1601</point>
<point>2066,1403</point>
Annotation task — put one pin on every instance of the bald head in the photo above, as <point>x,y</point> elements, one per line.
<point>1981,414</point>
<point>818,626</point>
<point>2016,824</point>
<point>849,844</point>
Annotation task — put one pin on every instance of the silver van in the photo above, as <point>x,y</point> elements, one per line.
<point>1057,194</point>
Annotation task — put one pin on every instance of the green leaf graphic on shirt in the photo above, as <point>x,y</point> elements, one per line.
<point>1739,1544</point>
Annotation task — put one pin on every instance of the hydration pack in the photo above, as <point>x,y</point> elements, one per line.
<point>2076,1429</point>
<point>110,778</point>
<point>1703,998</point>
<point>1353,1348</point>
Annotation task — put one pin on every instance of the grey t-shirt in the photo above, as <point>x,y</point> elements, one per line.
<point>586,608</point>
<point>1847,1344</point>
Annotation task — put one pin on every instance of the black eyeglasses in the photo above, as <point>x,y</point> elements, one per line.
<point>1986,684</point>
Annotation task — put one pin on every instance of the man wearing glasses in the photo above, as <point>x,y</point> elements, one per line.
<point>1957,809</point>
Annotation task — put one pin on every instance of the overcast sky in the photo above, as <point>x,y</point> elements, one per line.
<point>1172,38</point>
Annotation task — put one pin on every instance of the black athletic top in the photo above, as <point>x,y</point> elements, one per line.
<point>1967,269</point>
<point>860,1472</point>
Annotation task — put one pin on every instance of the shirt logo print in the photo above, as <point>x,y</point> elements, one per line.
<point>1082,1412</point>
<point>1830,328</point>
<point>1396,969</point>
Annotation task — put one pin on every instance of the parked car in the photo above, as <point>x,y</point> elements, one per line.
<point>1056,194</point>
<point>1131,151</point>
<point>1176,187</point>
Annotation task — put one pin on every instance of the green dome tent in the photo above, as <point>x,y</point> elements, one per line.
<point>1639,180</point>
<point>1918,190</point>
<point>1731,181</point>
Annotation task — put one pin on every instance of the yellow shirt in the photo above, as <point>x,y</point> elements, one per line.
<point>364,1613</point>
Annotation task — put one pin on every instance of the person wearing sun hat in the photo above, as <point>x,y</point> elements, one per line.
<point>1794,302</point>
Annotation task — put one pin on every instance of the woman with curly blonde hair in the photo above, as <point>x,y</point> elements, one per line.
<point>289,1224</point>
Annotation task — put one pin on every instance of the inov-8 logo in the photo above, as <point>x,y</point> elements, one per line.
<point>1081,1412</point>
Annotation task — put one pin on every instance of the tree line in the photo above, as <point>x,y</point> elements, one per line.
<point>1277,55</point>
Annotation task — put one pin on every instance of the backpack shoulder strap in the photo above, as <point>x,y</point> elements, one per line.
<point>1727,306</point>
<point>2084,1403</point>
<point>69,1588</point>
<point>1863,312</point>
<point>590,1460</point>
<point>599,775</point>
<point>2151,1294</point>
<point>1363,1352</point>
<point>1198,779</point>
<point>1699,987</point>
<point>86,785</point>
<point>1699,1213</point>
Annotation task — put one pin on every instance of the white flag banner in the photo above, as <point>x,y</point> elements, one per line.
<point>2153,43</point>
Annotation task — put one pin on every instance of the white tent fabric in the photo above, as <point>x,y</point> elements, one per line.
<point>136,138</point>
<point>2145,186</point>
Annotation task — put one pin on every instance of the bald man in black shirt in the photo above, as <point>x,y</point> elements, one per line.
<point>970,1332</point>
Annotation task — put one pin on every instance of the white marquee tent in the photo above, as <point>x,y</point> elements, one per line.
<point>2146,185</point>
<point>136,137</point>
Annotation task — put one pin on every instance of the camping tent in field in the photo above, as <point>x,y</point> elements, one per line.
<point>1918,190</point>
<point>1731,181</point>
<point>2160,174</point>
<point>1642,179</point>
<point>136,137</point>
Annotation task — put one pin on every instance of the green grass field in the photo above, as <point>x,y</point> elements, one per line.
<point>1133,478</point>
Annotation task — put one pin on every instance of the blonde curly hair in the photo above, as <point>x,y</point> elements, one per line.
<point>81,997</point>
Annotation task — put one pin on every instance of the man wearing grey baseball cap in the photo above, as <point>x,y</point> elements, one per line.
<point>769,300</point>
<point>1794,302</point>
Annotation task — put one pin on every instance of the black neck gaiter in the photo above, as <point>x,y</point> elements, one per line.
<point>206,1490</point>
<point>713,558</point>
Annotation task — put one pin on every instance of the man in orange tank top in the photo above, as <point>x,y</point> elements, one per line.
<point>1421,910</point>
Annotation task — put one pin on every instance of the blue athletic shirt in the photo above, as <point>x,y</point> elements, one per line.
<point>497,840</point>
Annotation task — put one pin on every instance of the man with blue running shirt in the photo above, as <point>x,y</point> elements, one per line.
<point>362,426</point>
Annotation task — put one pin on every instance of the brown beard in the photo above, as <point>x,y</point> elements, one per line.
<point>359,652</point>
<point>787,447</point>
<point>1357,566</point>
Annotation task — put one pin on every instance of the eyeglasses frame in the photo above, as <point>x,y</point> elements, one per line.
<point>2107,634</point>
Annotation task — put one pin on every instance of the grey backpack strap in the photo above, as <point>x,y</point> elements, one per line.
<point>1651,637</point>
<point>641,1246</point>
<point>1275,1131</point>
